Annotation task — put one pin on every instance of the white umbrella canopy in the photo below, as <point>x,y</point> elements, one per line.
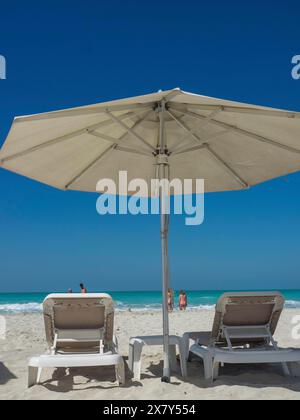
<point>230,145</point>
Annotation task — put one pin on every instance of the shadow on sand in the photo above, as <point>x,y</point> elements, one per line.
<point>65,380</point>
<point>254,376</point>
<point>5,374</point>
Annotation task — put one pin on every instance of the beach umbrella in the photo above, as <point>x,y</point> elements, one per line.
<point>169,134</point>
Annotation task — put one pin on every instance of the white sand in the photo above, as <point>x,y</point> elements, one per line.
<point>25,338</point>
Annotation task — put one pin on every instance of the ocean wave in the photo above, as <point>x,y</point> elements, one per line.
<point>292,304</point>
<point>20,308</point>
<point>36,307</point>
<point>207,307</point>
<point>157,308</point>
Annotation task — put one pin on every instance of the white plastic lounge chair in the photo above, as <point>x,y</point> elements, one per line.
<point>79,333</point>
<point>242,332</point>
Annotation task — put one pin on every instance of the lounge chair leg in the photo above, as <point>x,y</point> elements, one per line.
<point>186,344</point>
<point>32,376</point>
<point>208,366</point>
<point>137,354</point>
<point>39,375</point>
<point>215,370</point>
<point>130,357</point>
<point>172,355</point>
<point>120,373</point>
<point>182,355</point>
<point>286,370</point>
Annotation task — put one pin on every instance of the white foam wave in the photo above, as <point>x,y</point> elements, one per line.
<point>35,307</point>
<point>20,308</point>
<point>157,308</point>
<point>207,307</point>
<point>292,304</point>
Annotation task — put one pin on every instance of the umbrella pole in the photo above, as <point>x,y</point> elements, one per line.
<point>165,285</point>
<point>164,219</point>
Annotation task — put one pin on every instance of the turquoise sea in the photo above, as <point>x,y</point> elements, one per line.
<point>14,303</point>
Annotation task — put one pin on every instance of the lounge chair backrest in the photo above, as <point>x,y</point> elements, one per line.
<point>73,315</point>
<point>78,311</point>
<point>247,309</point>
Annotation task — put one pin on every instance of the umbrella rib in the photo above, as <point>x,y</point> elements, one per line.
<point>240,110</point>
<point>85,111</point>
<point>102,136</point>
<point>184,127</point>
<point>211,116</point>
<point>114,146</point>
<point>204,141</point>
<point>130,150</point>
<point>102,154</point>
<point>244,132</point>
<point>63,138</point>
<point>130,130</point>
<point>190,132</point>
<point>188,149</point>
<point>116,141</point>
<point>227,167</point>
<point>90,165</point>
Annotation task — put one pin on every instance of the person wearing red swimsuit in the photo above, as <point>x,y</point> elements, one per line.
<point>182,300</point>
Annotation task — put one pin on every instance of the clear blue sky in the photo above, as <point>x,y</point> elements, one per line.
<point>68,53</point>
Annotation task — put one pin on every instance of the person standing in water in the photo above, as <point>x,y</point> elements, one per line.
<point>182,300</point>
<point>82,288</point>
<point>170,300</point>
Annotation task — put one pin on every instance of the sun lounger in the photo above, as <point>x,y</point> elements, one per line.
<point>79,333</point>
<point>242,332</point>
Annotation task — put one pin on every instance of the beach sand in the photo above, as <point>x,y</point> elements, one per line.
<point>25,338</point>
